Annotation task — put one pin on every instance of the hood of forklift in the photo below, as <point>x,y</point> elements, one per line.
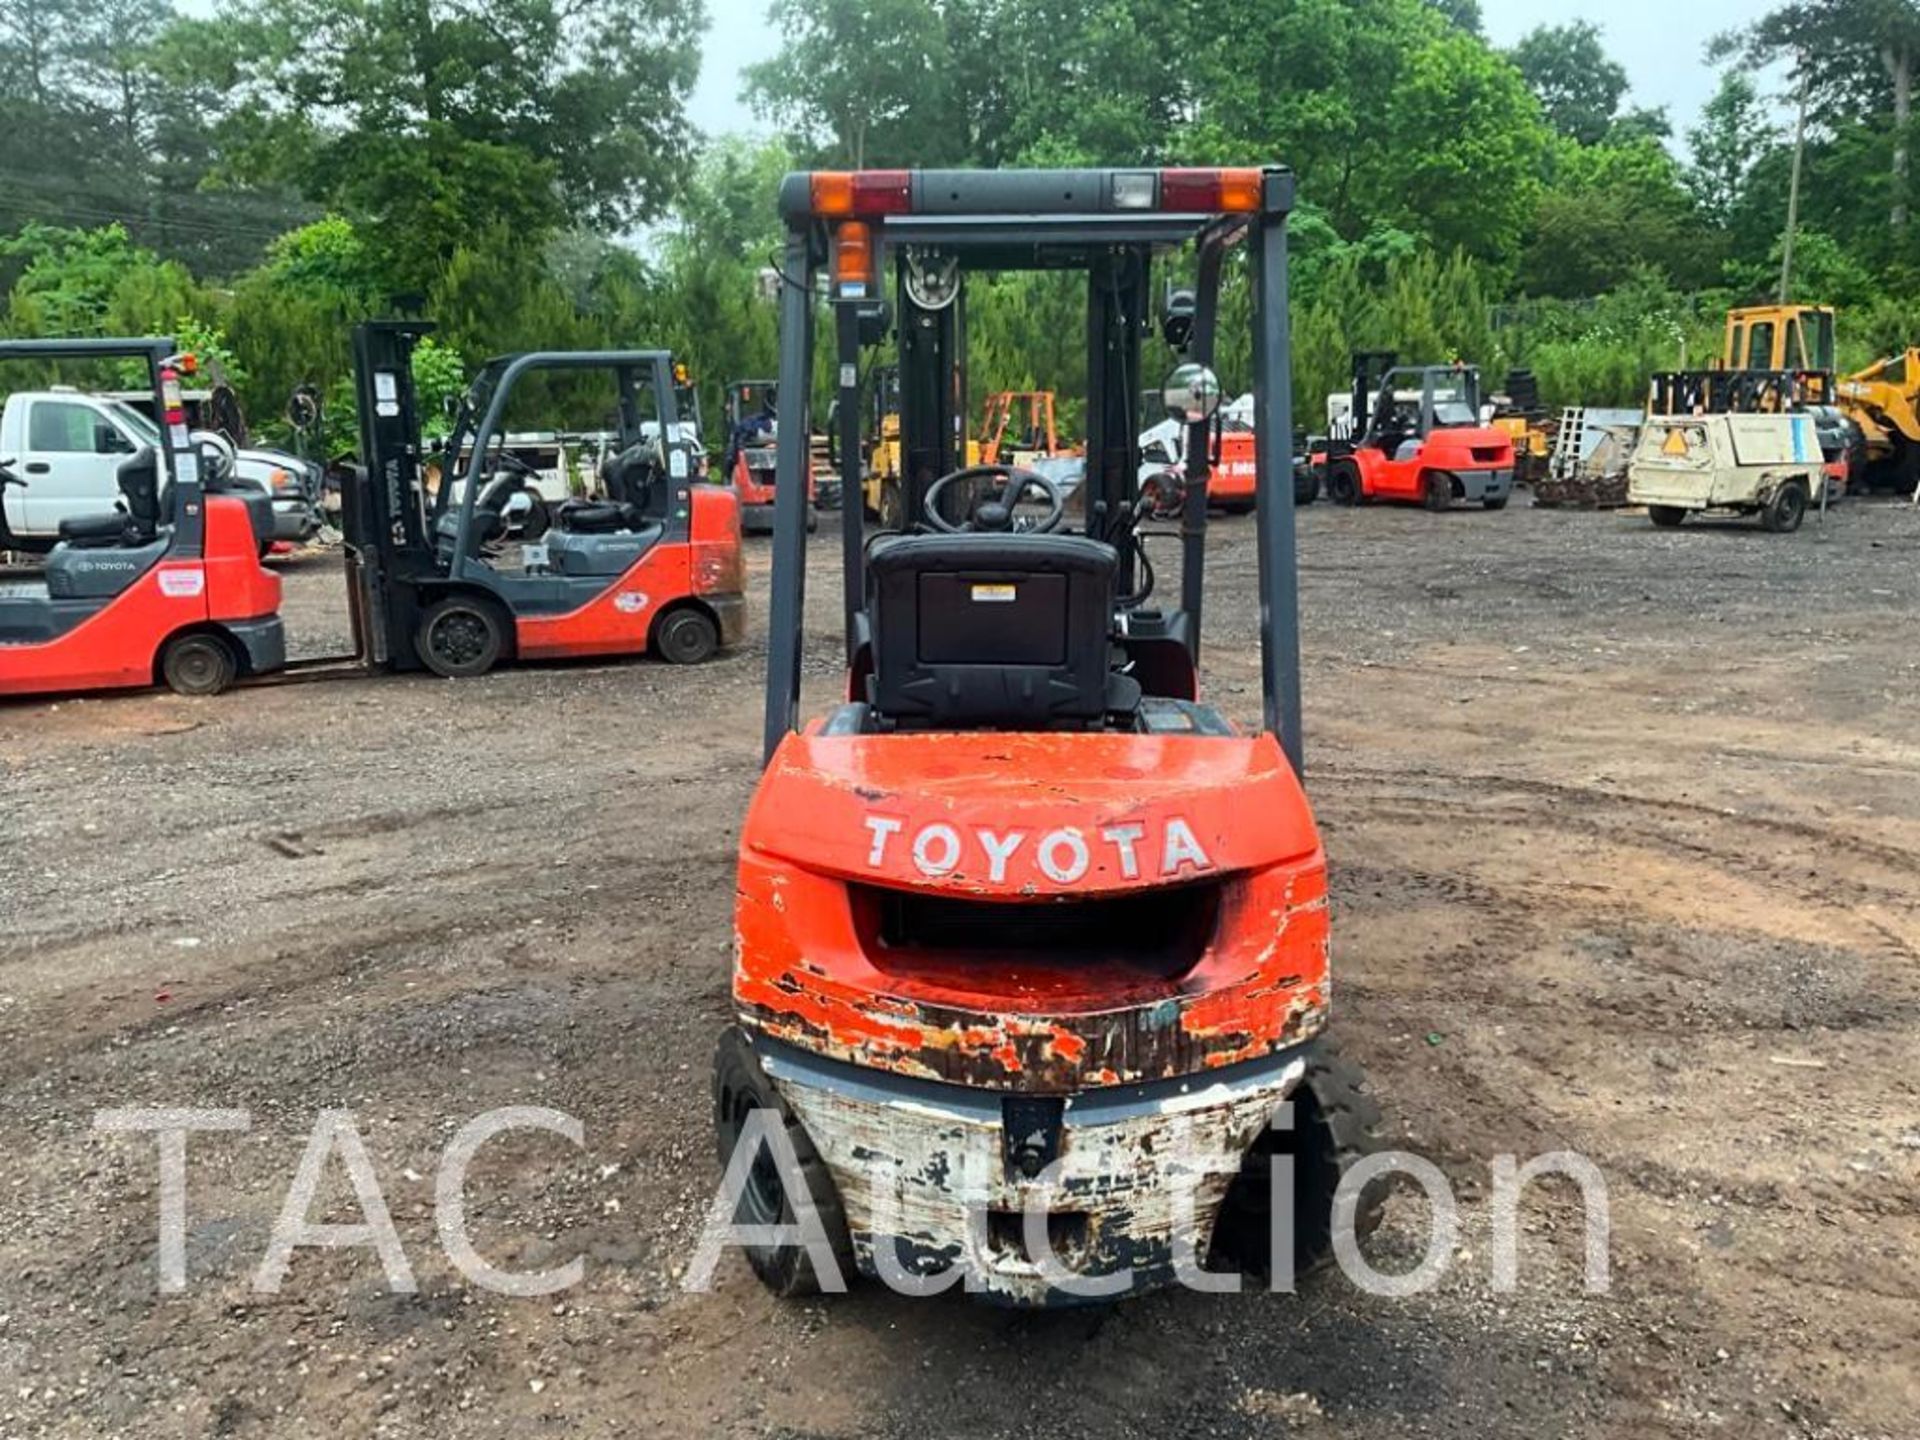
<point>1030,816</point>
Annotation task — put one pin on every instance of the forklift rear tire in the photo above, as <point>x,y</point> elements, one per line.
<point>1786,509</point>
<point>1439,495</point>
<point>686,637</point>
<point>1335,1126</point>
<point>1495,502</point>
<point>198,665</point>
<point>1667,517</point>
<point>460,637</point>
<point>740,1087</point>
<point>1343,483</point>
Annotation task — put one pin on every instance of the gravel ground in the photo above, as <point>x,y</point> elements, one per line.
<point>1624,828</point>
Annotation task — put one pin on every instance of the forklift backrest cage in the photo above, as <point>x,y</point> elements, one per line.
<point>1082,220</point>
<point>180,465</point>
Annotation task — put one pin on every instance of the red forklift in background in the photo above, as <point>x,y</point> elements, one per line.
<point>748,461</point>
<point>652,567</point>
<point>1415,433</point>
<point>1031,941</point>
<point>167,589</point>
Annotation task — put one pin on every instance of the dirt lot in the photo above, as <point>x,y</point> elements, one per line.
<point>1625,836</point>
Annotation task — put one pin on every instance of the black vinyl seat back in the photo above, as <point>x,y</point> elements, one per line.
<point>139,480</point>
<point>138,519</point>
<point>993,631</point>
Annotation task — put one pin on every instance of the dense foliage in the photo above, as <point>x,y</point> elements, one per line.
<point>523,172</point>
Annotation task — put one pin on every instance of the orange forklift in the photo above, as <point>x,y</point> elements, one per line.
<point>651,566</point>
<point>1031,939</point>
<point>167,588</point>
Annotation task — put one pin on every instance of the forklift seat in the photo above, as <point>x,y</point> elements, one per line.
<point>994,631</point>
<point>136,523</point>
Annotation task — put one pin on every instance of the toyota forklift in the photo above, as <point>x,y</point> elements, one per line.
<point>652,565</point>
<point>751,410</point>
<point>167,588</point>
<point>1416,434</point>
<point>1026,927</point>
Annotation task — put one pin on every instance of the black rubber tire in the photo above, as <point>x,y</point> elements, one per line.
<point>740,1086</point>
<point>1667,517</point>
<point>1335,1126</point>
<point>685,637</point>
<point>1343,483</point>
<point>1787,508</point>
<point>1237,507</point>
<point>1495,502</point>
<point>199,665</point>
<point>1306,486</point>
<point>1439,491</point>
<point>893,506</point>
<point>461,637</point>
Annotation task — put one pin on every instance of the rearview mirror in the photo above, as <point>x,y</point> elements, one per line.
<point>1191,394</point>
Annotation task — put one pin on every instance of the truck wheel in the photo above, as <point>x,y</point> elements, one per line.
<point>1343,483</point>
<point>460,637</point>
<point>1306,486</point>
<point>893,506</point>
<point>1335,1124</point>
<point>198,665</point>
<point>1787,508</point>
<point>685,637</point>
<point>1667,517</point>
<point>1495,502</point>
<point>1439,491</point>
<point>740,1087</point>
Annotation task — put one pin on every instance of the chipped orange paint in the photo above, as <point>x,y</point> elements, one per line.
<point>810,973</point>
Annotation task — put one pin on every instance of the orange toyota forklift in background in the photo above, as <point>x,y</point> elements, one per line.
<point>1023,921</point>
<point>654,567</point>
<point>167,589</point>
<point>1416,434</point>
<point>747,461</point>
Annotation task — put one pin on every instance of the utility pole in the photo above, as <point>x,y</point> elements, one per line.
<point>1793,192</point>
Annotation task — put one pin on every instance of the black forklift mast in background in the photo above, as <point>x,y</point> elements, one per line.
<point>385,522</point>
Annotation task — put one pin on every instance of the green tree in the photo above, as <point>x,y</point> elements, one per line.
<point>1579,85</point>
<point>859,82</point>
<point>1389,114</point>
<point>1610,211</point>
<point>1855,60</point>
<point>439,122</point>
<point>1733,134</point>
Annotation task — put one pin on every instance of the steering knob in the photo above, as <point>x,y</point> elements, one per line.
<point>993,515</point>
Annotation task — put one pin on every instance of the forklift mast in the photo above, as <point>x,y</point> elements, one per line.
<point>1370,371</point>
<point>384,514</point>
<point>937,225</point>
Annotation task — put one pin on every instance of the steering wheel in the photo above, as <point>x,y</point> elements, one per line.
<point>217,455</point>
<point>994,514</point>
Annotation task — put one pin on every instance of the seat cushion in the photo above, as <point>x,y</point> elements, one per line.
<point>595,517</point>
<point>91,531</point>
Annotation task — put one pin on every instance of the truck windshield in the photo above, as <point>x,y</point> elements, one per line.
<point>133,422</point>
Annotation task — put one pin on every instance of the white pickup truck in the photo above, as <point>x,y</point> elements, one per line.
<point>67,447</point>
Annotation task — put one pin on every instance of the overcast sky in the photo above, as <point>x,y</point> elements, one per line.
<point>1660,42</point>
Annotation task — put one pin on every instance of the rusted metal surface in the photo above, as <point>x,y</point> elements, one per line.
<point>922,1169</point>
<point>1226,811</point>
